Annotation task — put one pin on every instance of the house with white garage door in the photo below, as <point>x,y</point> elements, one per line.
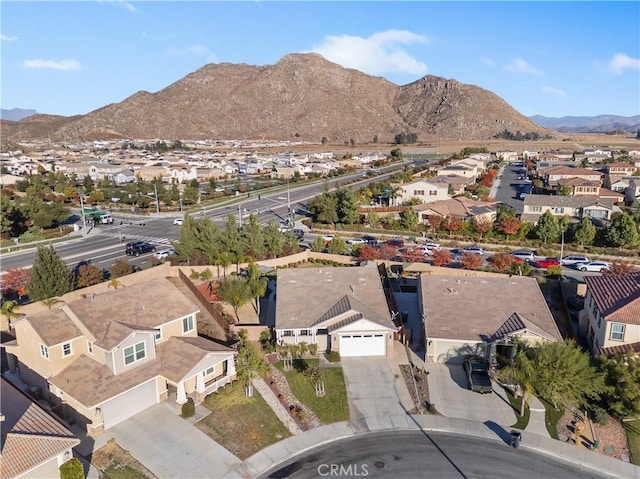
<point>102,358</point>
<point>341,309</point>
<point>482,315</point>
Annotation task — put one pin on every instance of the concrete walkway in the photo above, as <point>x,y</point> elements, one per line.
<point>537,420</point>
<point>274,403</point>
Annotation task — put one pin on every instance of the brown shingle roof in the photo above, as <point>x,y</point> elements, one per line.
<point>29,436</point>
<point>147,305</point>
<point>475,308</point>
<point>621,349</point>
<point>53,326</point>
<point>92,383</point>
<point>306,296</point>
<point>617,296</point>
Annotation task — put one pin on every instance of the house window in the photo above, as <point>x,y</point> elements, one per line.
<point>187,324</point>
<point>159,334</point>
<point>559,210</point>
<point>44,351</point>
<point>208,371</point>
<point>89,347</point>
<point>287,332</point>
<point>617,332</point>
<point>134,353</point>
<point>66,349</point>
<point>304,332</point>
<point>536,209</point>
<point>433,192</point>
<point>418,192</point>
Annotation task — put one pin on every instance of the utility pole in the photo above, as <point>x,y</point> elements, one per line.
<point>239,214</point>
<point>84,220</point>
<point>290,215</point>
<point>155,188</point>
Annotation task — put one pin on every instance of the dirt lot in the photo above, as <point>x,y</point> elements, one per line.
<point>113,462</point>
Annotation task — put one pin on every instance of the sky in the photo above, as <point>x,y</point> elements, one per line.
<point>546,58</point>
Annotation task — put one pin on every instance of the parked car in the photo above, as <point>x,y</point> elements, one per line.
<point>353,241</point>
<point>139,247</point>
<point>477,374</point>
<point>592,266</point>
<point>328,238</point>
<point>545,263</point>
<point>524,255</point>
<point>473,249</point>
<point>397,242</point>
<point>164,254</point>
<point>299,233</point>
<point>455,254</point>
<point>573,259</point>
<point>178,221</point>
<point>371,240</point>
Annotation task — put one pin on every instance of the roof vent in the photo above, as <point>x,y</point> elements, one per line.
<point>353,288</point>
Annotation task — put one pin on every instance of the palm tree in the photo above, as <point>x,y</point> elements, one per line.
<point>10,311</point>
<point>224,259</point>
<point>49,302</point>
<point>114,283</point>
<point>522,373</point>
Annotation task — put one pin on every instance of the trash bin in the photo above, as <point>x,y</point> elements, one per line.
<point>515,439</point>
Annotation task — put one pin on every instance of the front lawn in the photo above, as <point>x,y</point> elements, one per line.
<point>551,418</point>
<point>334,406</point>
<point>516,404</point>
<point>632,429</point>
<point>242,425</point>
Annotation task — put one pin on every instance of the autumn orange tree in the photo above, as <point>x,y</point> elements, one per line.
<point>470,260</point>
<point>88,275</point>
<point>482,224</point>
<point>503,262</point>
<point>509,225</point>
<point>414,255</point>
<point>387,252</point>
<point>442,257</point>
<point>618,269</point>
<point>368,253</point>
<point>451,224</point>
<point>15,281</point>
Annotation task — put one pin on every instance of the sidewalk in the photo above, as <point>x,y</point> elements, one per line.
<point>537,424</point>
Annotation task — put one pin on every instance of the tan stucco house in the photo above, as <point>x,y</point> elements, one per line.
<point>464,315</point>
<point>339,309</point>
<point>610,319</point>
<point>107,356</point>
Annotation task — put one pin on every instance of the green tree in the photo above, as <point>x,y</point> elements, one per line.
<point>409,219</point>
<point>564,190</point>
<point>346,206</point>
<point>274,240</point>
<point>50,275</point>
<point>622,384</point>
<point>323,140</point>
<point>49,214</point>
<point>564,375</point>
<point>585,232</point>
<point>72,469</point>
<point>623,231</point>
<point>324,208</point>
<point>252,236</point>
<point>257,285</point>
<point>522,373</point>
<point>548,228</point>
<point>318,245</point>
<point>337,246</point>
<point>250,363</point>
<point>396,154</point>
<point>10,311</point>
<point>235,291</point>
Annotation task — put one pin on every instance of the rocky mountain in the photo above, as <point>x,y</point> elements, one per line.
<point>302,97</point>
<point>589,124</point>
<point>16,114</point>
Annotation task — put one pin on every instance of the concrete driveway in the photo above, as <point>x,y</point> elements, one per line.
<point>449,393</point>
<point>171,447</point>
<point>372,387</point>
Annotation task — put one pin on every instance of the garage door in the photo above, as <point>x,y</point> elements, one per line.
<point>129,404</point>
<point>352,345</point>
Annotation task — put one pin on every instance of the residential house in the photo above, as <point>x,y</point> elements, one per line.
<point>34,445</point>
<point>463,315</point>
<point>350,315</point>
<point>620,168</point>
<point>507,156</point>
<point>455,184</point>
<point>123,177</point>
<point>610,319</point>
<point>99,171</point>
<point>462,169</point>
<point>460,207</point>
<point>557,173</point>
<point>149,173</point>
<point>105,357</point>
<point>576,207</point>
<point>423,190</point>
<point>632,193</point>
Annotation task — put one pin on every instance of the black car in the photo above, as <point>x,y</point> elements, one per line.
<point>139,247</point>
<point>477,374</point>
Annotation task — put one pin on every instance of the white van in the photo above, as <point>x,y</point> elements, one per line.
<point>106,219</point>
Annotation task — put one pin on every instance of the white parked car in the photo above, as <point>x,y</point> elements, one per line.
<point>353,241</point>
<point>573,259</point>
<point>592,266</point>
<point>524,255</point>
<point>328,238</point>
<point>164,254</point>
<point>473,249</point>
<point>178,221</point>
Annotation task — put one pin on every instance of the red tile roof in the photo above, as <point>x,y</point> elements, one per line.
<point>617,296</point>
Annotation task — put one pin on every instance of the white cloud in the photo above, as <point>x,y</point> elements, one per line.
<point>558,92</point>
<point>620,61</point>
<point>487,61</point>
<point>518,65</point>
<point>376,54</point>
<point>130,7</point>
<point>196,50</point>
<point>7,38</point>
<point>63,65</point>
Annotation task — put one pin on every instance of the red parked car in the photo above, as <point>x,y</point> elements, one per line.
<point>545,263</point>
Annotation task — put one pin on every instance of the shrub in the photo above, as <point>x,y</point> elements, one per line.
<point>313,349</point>
<point>188,408</point>
<point>194,274</point>
<point>599,415</point>
<point>333,356</point>
<point>72,469</point>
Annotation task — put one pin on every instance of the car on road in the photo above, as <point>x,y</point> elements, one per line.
<point>299,233</point>
<point>573,259</point>
<point>371,240</point>
<point>477,374</point>
<point>473,249</point>
<point>178,221</point>
<point>354,241</point>
<point>597,266</point>
<point>546,262</point>
<point>164,254</point>
<point>396,242</point>
<point>455,254</point>
<point>328,238</point>
<point>139,247</point>
<point>524,255</point>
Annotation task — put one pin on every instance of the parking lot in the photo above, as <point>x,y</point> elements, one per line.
<point>450,394</point>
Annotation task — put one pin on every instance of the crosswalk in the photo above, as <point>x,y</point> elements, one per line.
<point>130,237</point>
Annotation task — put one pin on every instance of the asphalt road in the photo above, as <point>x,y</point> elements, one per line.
<point>509,187</point>
<point>411,455</point>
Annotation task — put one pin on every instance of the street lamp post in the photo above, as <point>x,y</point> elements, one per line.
<point>84,220</point>
<point>181,202</point>
<point>155,189</point>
